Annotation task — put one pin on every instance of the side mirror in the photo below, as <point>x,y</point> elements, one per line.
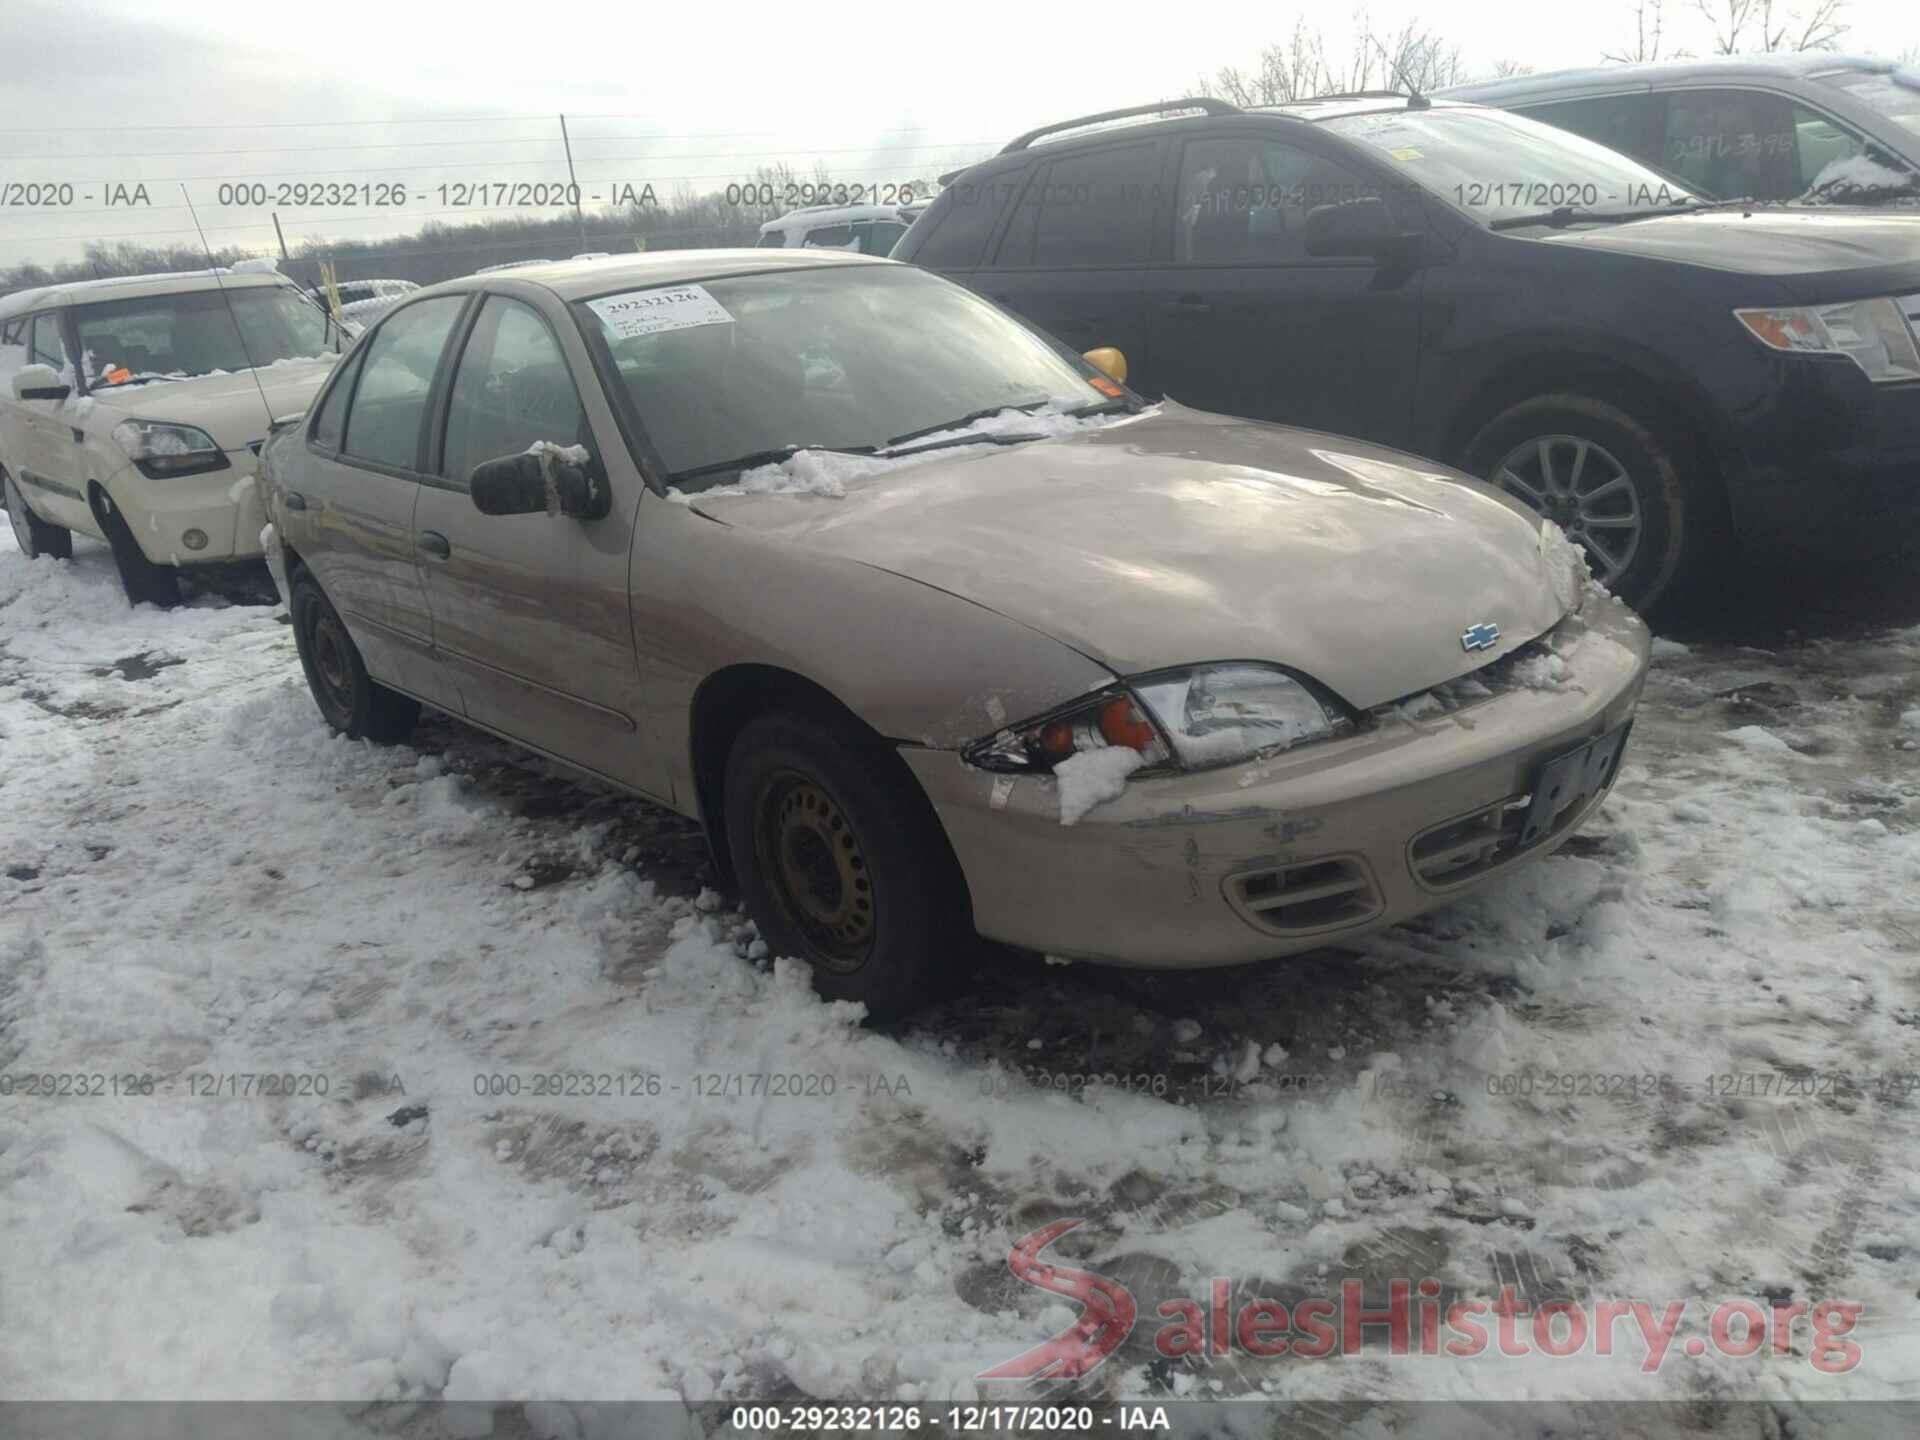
<point>1357,227</point>
<point>1108,361</point>
<point>559,480</point>
<point>39,382</point>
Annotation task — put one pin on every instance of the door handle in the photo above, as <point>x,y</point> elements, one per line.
<point>295,500</point>
<point>432,542</point>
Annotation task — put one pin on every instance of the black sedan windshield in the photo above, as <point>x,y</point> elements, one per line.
<point>1499,166</point>
<point>848,358</point>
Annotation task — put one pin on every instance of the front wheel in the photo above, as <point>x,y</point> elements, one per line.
<point>350,700</point>
<point>1614,485</point>
<point>34,536</point>
<point>842,864</point>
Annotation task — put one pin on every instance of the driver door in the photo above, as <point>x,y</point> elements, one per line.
<point>530,611</point>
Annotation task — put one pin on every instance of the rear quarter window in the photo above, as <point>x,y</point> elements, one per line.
<point>954,232</point>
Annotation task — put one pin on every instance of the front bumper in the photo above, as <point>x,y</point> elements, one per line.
<point>1271,857</point>
<point>223,505</point>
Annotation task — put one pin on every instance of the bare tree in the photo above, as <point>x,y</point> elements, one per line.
<point>1304,66</point>
<point>1289,71</point>
<point>1507,69</point>
<point>1649,27</point>
<point>1742,25</point>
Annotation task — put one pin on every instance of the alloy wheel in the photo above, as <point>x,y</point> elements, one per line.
<point>1585,490</point>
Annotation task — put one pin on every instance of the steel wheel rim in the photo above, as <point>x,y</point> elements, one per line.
<point>1583,488</point>
<point>814,861</point>
<point>326,647</point>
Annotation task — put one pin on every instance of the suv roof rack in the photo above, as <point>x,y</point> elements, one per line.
<point>1200,102</point>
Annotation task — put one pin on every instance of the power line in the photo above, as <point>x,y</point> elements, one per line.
<point>441,120</point>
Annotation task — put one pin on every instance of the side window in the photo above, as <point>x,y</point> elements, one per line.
<point>512,389</point>
<point>329,422</point>
<point>1618,122</point>
<point>773,240</point>
<point>47,348</point>
<point>1245,200</point>
<point>1090,209</point>
<point>877,237</point>
<point>829,237</point>
<point>962,221</point>
<point>1837,164</point>
<point>390,404</point>
<point>1732,143</point>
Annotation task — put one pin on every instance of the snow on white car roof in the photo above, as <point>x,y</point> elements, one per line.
<point>134,287</point>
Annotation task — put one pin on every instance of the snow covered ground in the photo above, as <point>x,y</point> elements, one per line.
<point>198,884</point>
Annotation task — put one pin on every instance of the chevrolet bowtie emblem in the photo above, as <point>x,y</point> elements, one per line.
<point>1483,636</point>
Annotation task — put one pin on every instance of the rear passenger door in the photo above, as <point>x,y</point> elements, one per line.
<point>353,524</point>
<point>1244,321</point>
<point>530,611</point>
<point>1073,257</point>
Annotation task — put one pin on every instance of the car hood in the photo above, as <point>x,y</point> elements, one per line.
<point>1179,536</point>
<point>227,406</point>
<point>1812,244</point>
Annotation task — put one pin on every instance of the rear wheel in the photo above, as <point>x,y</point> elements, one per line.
<point>34,536</point>
<point>1631,499</point>
<point>842,864</point>
<point>350,700</point>
<point>143,580</point>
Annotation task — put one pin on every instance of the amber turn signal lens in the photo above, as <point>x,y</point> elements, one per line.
<point>1121,723</point>
<point>1056,740</point>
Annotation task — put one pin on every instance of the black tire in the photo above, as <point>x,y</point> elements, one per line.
<point>1668,506</point>
<point>143,580</point>
<point>842,863</point>
<point>351,701</point>
<point>34,536</point>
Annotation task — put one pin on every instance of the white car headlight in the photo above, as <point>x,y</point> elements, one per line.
<point>1872,333</point>
<point>162,449</point>
<point>1217,714</point>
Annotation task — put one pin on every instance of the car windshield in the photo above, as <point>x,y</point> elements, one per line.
<point>1894,94</point>
<point>1498,166</point>
<point>845,357</point>
<point>198,332</point>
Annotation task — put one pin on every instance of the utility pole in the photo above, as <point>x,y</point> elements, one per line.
<point>282,234</point>
<point>579,216</point>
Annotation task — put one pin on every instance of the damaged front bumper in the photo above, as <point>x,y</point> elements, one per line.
<point>1281,854</point>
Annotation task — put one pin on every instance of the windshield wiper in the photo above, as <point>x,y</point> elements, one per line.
<point>971,418</point>
<point>766,457</point>
<point>1572,215</point>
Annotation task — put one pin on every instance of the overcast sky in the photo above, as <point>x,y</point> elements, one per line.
<point>653,93</point>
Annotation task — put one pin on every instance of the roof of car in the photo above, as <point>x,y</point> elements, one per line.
<point>579,279</point>
<point>808,216</point>
<point>1336,107</point>
<point>1663,72</point>
<point>134,287</point>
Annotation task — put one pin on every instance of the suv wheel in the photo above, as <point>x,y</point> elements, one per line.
<point>34,536</point>
<point>139,577</point>
<point>1612,484</point>
<point>350,700</point>
<point>842,865</point>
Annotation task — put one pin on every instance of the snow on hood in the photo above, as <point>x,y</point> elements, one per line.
<point>826,472</point>
<point>226,404</point>
<point>1179,537</point>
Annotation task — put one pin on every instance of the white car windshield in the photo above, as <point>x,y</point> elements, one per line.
<point>1502,167</point>
<point>842,358</point>
<point>198,332</point>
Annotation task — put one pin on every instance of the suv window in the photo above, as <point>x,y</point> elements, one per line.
<point>1094,208</point>
<point>1617,121</point>
<point>390,402</point>
<point>963,220</point>
<point>329,422</point>
<point>773,240</point>
<point>830,236</point>
<point>1731,143</point>
<point>46,347</point>
<point>512,389</point>
<point>877,237</point>
<point>1244,199</point>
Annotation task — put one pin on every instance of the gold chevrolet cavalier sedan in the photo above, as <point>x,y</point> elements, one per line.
<point>936,626</point>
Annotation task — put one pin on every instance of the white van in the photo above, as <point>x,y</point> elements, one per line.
<point>868,229</point>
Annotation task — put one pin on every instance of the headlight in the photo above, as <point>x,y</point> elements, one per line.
<point>162,450</point>
<point>1202,716</point>
<point>1873,333</point>
<point>1217,714</point>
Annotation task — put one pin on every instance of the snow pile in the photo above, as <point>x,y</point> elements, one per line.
<point>1094,777</point>
<point>1851,173</point>
<point>826,473</point>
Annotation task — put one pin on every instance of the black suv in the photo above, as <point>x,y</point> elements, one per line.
<point>1666,376</point>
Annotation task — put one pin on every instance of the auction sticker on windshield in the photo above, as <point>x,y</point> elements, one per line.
<point>649,312</point>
